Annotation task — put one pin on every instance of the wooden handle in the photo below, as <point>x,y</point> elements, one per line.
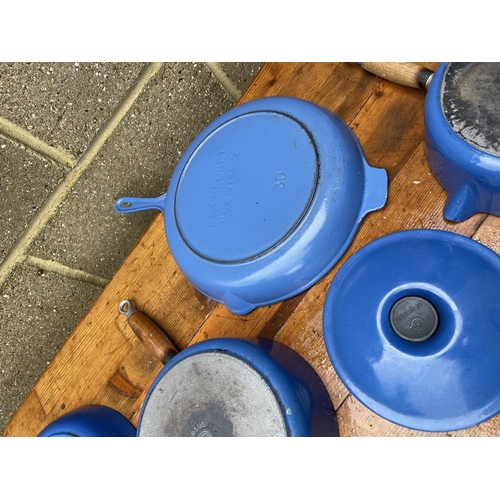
<point>149,333</point>
<point>409,74</point>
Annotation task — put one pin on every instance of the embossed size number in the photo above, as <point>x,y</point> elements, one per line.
<point>280,180</point>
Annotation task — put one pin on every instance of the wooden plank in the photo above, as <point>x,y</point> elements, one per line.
<point>341,87</point>
<point>24,426</point>
<point>356,420</point>
<point>390,127</point>
<point>489,233</point>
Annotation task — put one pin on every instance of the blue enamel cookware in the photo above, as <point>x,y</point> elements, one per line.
<point>411,324</point>
<point>90,421</point>
<point>265,201</point>
<point>229,387</point>
<point>462,140</point>
<point>462,130</point>
<point>232,387</point>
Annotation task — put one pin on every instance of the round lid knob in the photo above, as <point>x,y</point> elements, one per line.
<point>414,318</point>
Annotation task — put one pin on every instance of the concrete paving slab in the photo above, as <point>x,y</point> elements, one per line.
<point>38,311</point>
<point>241,73</point>
<point>63,103</point>
<point>26,181</point>
<point>137,160</point>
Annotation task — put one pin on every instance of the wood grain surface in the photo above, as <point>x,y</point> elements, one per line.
<point>103,362</point>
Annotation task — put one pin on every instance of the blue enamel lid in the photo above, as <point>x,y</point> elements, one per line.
<point>265,201</point>
<point>443,290</point>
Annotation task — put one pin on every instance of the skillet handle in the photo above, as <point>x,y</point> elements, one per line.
<point>128,204</point>
<point>410,74</point>
<point>375,195</point>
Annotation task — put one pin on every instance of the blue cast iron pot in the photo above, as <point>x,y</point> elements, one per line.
<point>90,421</point>
<point>265,201</point>
<point>237,387</point>
<point>462,137</point>
<point>462,130</point>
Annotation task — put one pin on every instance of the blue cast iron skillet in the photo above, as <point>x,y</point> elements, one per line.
<point>445,382</point>
<point>265,201</point>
